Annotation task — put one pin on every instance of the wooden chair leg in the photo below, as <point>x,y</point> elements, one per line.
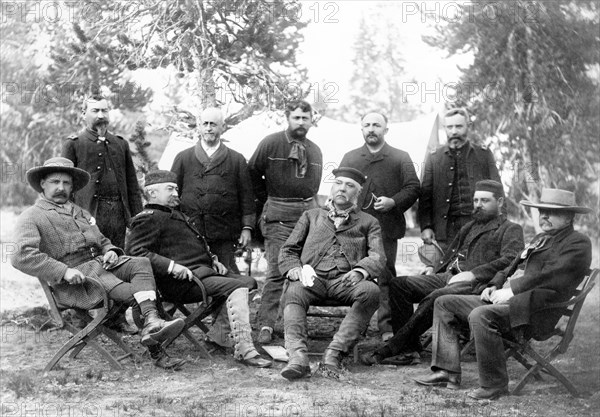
<point>544,363</point>
<point>74,340</point>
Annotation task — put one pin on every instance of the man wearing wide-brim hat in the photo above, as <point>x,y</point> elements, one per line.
<point>548,271</point>
<point>59,242</point>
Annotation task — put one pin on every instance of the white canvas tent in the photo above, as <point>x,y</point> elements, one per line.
<point>333,137</point>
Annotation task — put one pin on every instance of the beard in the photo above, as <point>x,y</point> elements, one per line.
<point>373,140</point>
<point>299,133</point>
<point>482,216</point>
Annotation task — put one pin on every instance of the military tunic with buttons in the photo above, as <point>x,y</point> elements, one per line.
<point>163,235</point>
<point>112,172</point>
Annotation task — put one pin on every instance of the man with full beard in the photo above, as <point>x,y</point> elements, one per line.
<point>391,188</point>
<point>286,173</point>
<point>448,181</point>
<point>484,246</point>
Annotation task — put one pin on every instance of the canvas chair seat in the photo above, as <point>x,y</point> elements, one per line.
<point>86,336</point>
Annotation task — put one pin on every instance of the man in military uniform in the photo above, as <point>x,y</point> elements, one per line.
<point>112,195</point>
<point>448,181</point>
<point>178,252</point>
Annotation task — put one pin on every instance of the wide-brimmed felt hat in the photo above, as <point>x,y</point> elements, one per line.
<point>58,164</point>
<point>556,199</point>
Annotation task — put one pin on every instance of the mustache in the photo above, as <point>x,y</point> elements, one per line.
<point>59,194</point>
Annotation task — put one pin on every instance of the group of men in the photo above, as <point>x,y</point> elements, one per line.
<point>204,208</point>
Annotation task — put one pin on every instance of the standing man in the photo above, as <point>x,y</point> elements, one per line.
<point>113,195</point>
<point>547,272</point>
<point>334,253</point>
<point>286,170</point>
<point>448,183</point>
<point>392,187</point>
<point>216,191</point>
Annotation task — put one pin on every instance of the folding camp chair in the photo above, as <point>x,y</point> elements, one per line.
<point>520,348</point>
<point>192,318</point>
<point>93,328</point>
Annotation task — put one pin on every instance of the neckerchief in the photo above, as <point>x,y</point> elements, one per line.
<point>298,154</point>
<point>337,216</point>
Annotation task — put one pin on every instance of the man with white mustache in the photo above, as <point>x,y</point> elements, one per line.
<point>334,253</point>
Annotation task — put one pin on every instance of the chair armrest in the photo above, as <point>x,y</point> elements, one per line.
<point>202,289</point>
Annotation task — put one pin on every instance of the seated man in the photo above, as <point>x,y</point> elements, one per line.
<point>548,271</point>
<point>482,247</point>
<point>177,252</point>
<point>59,242</point>
<point>333,253</point>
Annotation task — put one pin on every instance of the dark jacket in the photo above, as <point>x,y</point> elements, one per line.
<point>163,235</point>
<point>552,273</point>
<point>490,250</point>
<point>219,199</point>
<point>390,173</point>
<point>87,152</point>
<point>360,240</point>
<point>273,174</point>
<point>437,181</point>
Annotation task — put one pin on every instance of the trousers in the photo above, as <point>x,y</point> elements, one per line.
<point>487,322</point>
<point>362,297</point>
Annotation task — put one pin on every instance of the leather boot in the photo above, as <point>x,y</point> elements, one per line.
<point>332,359</point>
<point>238,312</point>
<point>157,330</point>
<point>162,360</point>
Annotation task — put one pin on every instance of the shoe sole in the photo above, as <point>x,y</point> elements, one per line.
<point>291,374</point>
<point>449,385</point>
<point>172,329</point>
<point>490,398</point>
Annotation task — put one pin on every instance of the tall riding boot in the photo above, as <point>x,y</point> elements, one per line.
<point>241,332</point>
<point>157,330</point>
<point>220,331</point>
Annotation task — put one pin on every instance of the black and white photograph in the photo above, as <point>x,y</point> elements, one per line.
<point>300,208</point>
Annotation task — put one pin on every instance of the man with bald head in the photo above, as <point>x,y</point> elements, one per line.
<point>215,190</point>
<point>391,188</point>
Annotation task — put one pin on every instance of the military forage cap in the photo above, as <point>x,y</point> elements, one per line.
<point>159,177</point>
<point>491,186</point>
<point>351,173</point>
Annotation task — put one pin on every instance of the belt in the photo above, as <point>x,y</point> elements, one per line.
<point>291,199</point>
<point>109,198</point>
<point>80,256</point>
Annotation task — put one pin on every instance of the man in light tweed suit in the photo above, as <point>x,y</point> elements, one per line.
<point>334,253</point>
<point>59,242</point>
